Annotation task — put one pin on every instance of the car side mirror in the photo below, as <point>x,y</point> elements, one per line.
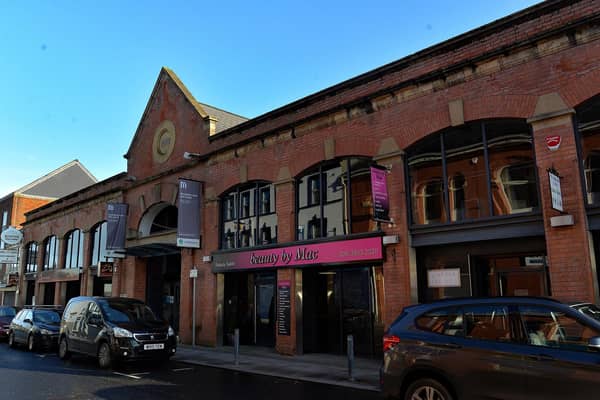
<point>27,321</point>
<point>594,343</point>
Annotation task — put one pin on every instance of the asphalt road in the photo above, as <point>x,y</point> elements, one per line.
<point>43,376</point>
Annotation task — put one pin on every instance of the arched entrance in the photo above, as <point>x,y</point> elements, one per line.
<point>157,245</point>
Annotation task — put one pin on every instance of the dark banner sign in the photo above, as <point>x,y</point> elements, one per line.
<point>284,304</point>
<point>188,220</point>
<point>116,217</point>
<point>381,201</point>
<point>338,252</point>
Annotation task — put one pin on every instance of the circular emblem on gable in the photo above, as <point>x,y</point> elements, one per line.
<point>164,141</point>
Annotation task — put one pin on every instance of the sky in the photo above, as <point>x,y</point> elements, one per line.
<point>75,76</point>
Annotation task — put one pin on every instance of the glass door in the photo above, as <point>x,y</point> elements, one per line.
<point>356,310</point>
<point>264,305</point>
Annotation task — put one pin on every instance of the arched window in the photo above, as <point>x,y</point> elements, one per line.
<point>457,189</point>
<point>335,199</point>
<point>50,253</point>
<point>165,220</point>
<point>248,216</point>
<point>472,158</point>
<point>31,257</point>
<point>588,127</point>
<point>98,243</point>
<point>74,252</point>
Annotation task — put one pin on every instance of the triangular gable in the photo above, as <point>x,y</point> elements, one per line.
<point>166,73</point>
<point>61,182</point>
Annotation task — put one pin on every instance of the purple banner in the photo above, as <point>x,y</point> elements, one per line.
<point>343,251</point>
<point>188,218</point>
<point>116,223</point>
<point>381,201</point>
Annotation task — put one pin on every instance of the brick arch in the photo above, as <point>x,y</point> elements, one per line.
<point>144,224</point>
<point>580,89</point>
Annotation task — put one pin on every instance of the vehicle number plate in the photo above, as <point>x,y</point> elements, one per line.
<point>154,346</point>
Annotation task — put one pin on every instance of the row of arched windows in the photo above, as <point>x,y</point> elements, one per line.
<point>74,251</point>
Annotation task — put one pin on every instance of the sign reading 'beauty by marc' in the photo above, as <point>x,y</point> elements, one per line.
<point>343,251</point>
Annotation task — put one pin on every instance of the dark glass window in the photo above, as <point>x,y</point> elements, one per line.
<point>165,220</point>
<point>50,253</point>
<point>551,328</point>
<point>335,199</point>
<point>588,126</point>
<point>447,321</point>
<point>487,322</point>
<point>98,242</point>
<point>248,216</point>
<point>490,170</point>
<point>74,252</point>
<point>31,260</point>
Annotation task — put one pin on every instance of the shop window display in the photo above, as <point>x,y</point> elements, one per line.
<point>588,126</point>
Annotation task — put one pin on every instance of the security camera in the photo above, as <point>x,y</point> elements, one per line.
<point>190,156</point>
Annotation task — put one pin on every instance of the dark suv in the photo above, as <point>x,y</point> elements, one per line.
<point>35,326</point>
<point>114,329</point>
<point>497,348</point>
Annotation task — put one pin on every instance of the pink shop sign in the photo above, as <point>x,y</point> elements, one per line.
<point>339,252</point>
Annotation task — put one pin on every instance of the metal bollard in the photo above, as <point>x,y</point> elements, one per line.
<point>236,346</point>
<point>350,342</point>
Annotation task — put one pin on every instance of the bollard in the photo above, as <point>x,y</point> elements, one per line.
<point>350,342</point>
<point>236,346</point>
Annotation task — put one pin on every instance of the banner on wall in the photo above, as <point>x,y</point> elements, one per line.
<point>188,219</point>
<point>116,225</point>
<point>381,201</point>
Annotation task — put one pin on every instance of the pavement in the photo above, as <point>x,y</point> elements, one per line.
<point>322,368</point>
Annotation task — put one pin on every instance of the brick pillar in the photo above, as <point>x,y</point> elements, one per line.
<point>186,300</point>
<point>568,247</point>
<point>397,260</point>
<point>286,224</point>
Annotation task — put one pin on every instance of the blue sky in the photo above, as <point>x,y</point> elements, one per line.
<point>76,75</point>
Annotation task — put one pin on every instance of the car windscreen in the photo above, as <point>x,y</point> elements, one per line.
<point>7,312</point>
<point>48,317</point>
<point>591,310</point>
<point>117,312</point>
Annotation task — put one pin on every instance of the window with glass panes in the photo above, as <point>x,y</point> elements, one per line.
<point>31,257</point>
<point>248,216</point>
<point>335,199</point>
<point>50,253</point>
<point>74,251</point>
<point>98,243</point>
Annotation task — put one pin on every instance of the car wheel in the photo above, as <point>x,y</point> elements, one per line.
<point>63,349</point>
<point>11,340</point>
<point>104,356</point>
<point>31,343</point>
<point>427,389</point>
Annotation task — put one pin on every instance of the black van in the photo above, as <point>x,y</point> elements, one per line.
<point>114,329</point>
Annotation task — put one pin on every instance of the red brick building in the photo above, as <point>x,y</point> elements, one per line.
<point>64,180</point>
<point>291,252</point>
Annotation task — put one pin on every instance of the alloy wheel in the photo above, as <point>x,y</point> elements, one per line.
<point>30,343</point>
<point>427,393</point>
<point>104,356</point>
<point>63,349</point>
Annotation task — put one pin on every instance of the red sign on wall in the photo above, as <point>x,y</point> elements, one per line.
<point>553,142</point>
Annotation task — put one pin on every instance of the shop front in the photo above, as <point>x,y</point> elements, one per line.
<point>58,286</point>
<point>336,291</point>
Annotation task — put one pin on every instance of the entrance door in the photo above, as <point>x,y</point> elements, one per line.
<point>264,306</point>
<point>509,276</point>
<point>163,276</point>
<point>49,293</point>
<point>337,303</point>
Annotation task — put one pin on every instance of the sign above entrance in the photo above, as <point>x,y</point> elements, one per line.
<point>337,252</point>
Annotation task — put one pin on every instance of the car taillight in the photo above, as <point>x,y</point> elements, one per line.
<point>390,341</point>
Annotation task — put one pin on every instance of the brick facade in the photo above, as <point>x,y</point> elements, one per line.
<point>519,67</point>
